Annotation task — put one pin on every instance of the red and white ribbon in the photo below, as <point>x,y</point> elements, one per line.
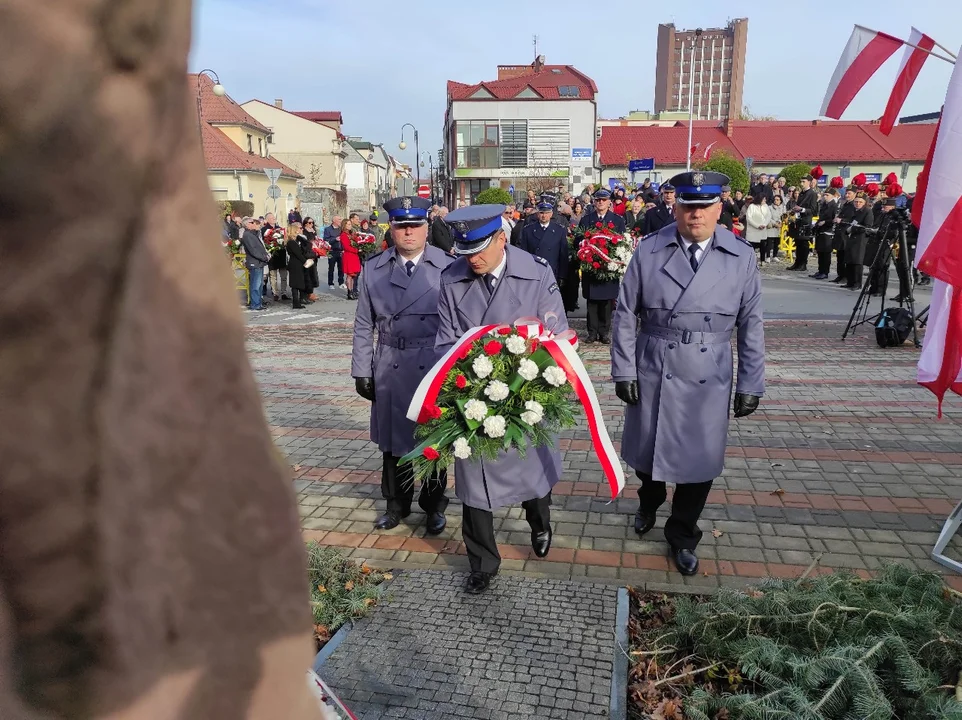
<point>563,350</point>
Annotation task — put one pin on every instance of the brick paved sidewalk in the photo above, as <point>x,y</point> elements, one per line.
<point>845,458</point>
<point>525,649</point>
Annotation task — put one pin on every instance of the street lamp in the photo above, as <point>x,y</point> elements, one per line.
<point>417,153</point>
<point>691,92</point>
<point>218,90</point>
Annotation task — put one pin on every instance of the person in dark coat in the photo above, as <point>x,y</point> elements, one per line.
<point>875,253</point>
<point>530,216</point>
<point>398,296</point>
<point>332,235</point>
<point>549,241</point>
<point>763,187</point>
<point>825,233</point>
<point>663,213</point>
<point>856,240</point>
<point>686,291</point>
<point>255,260</point>
<point>440,232</point>
<point>600,294</point>
<point>805,208</point>
<point>313,279</point>
<point>297,274</point>
<point>843,218</point>
<point>635,213</point>
<point>491,282</point>
<point>729,209</point>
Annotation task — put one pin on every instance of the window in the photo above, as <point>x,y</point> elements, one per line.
<point>250,144</point>
<point>514,143</point>
<point>260,147</point>
<point>477,143</point>
<point>569,91</point>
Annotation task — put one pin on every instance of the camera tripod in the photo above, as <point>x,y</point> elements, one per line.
<point>893,237</point>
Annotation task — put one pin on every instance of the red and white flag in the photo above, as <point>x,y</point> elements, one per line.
<point>693,148</point>
<point>912,61</point>
<point>707,153</point>
<point>863,55</point>
<point>939,251</point>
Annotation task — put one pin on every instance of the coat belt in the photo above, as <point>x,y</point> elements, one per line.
<point>402,343</point>
<point>686,337</point>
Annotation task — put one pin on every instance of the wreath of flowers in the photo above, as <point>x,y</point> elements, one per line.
<point>604,254</point>
<point>365,243</point>
<point>504,391</point>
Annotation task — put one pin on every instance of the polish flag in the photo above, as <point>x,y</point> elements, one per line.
<point>863,55</point>
<point>707,154</point>
<point>691,150</point>
<point>912,61</point>
<point>939,251</point>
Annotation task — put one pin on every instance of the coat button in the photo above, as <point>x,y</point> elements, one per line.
<point>707,318</point>
<point>704,349</point>
<point>674,316</point>
<point>668,376</point>
<point>671,346</point>
<point>420,367</point>
<point>422,318</point>
<point>395,366</point>
<point>701,382</point>
<point>397,317</point>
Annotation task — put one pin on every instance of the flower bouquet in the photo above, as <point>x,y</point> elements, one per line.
<point>366,244</point>
<point>604,254</point>
<point>504,387</point>
<point>231,247</point>
<point>320,247</point>
<point>274,241</point>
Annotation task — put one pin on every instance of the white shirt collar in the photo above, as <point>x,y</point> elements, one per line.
<point>498,271</point>
<point>404,261</point>
<point>544,226</point>
<point>702,246</point>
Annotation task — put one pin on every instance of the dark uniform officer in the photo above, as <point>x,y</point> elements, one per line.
<point>663,213</point>
<point>843,217</point>
<point>825,233</point>
<point>687,289</point>
<point>547,240</point>
<point>600,295</point>
<point>492,282</point>
<point>806,208</point>
<point>398,295</point>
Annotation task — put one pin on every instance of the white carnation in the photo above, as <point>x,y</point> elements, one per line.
<point>535,407</point>
<point>494,426</point>
<point>531,418</point>
<point>496,390</point>
<point>482,366</point>
<point>612,267</point>
<point>475,410</point>
<point>462,451</point>
<point>554,375</point>
<point>527,369</point>
<point>515,344</point>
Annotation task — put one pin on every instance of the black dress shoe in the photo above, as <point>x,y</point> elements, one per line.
<point>389,520</point>
<point>685,561</point>
<point>478,582</point>
<point>436,523</point>
<point>541,542</point>
<point>643,522</point>
<point>605,340</point>
<point>840,280</point>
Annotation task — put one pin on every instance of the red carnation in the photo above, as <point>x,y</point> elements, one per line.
<point>817,172</point>
<point>461,382</point>
<point>598,224</point>
<point>595,265</point>
<point>534,344</point>
<point>493,347</point>
<point>428,413</point>
<point>891,179</point>
<point>872,189</point>
<point>611,225</point>
<point>893,190</point>
<point>504,331</point>
<point>465,351</point>
<point>837,182</point>
<point>430,453</point>
<point>859,180</point>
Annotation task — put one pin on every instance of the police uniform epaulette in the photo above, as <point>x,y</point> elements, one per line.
<point>540,259</point>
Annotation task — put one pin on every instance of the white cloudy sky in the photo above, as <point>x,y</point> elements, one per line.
<point>384,63</point>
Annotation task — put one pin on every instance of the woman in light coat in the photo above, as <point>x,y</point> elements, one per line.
<point>758,216</point>
<point>775,227</point>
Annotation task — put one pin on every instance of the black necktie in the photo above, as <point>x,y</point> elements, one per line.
<point>692,249</point>
<point>409,266</point>
<point>489,281</point>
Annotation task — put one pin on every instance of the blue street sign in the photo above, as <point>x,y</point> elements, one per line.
<point>749,161</point>
<point>581,153</point>
<point>845,173</point>
<point>511,189</point>
<point>644,164</point>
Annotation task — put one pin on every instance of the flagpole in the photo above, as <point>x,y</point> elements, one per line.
<point>912,45</point>
<point>691,95</point>
<point>949,52</point>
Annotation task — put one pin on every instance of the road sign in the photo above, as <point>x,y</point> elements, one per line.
<point>845,173</point>
<point>749,161</point>
<point>642,165</point>
<point>272,174</point>
<point>905,170</point>
<point>424,191</point>
<point>511,189</point>
<point>582,153</point>
<point>273,192</point>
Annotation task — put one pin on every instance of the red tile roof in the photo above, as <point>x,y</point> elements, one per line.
<point>768,142</point>
<point>545,82</point>
<point>320,115</point>
<point>220,110</point>
<point>221,153</point>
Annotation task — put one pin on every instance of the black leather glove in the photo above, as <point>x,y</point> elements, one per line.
<point>745,404</point>
<point>627,391</point>
<point>365,388</point>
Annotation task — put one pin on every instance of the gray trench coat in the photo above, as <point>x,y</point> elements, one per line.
<point>405,312</point>
<point>527,289</point>
<point>672,333</point>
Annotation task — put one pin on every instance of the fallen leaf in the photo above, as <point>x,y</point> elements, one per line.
<point>365,569</point>
<point>296,468</point>
<point>349,585</point>
<point>778,492</point>
<point>387,576</point>
<point>322,630</point>
<point>368,601</point>
<point>717,533</point>
<point>321,588</point>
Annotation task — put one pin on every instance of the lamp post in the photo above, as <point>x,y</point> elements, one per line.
<point>218,91</point>
<point>691,93</point>
<point>402,145</point>
<point>431,176</point>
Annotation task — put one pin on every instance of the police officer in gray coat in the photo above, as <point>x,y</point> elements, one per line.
<point>688,288</point>
<point>398,296</point>
<point>492,282</point>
